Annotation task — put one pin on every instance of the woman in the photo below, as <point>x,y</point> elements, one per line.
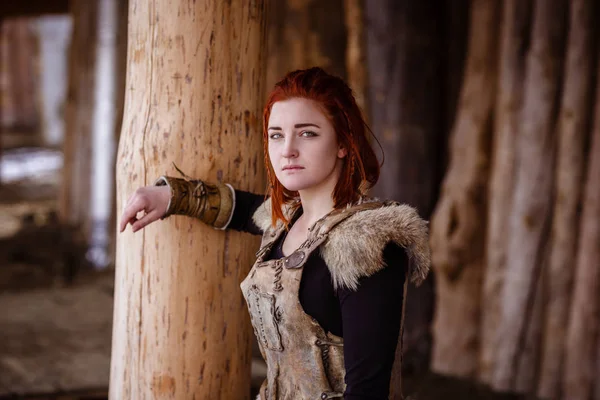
<point>326,292</point>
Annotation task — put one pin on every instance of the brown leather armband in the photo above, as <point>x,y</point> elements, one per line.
<point>211,203</point>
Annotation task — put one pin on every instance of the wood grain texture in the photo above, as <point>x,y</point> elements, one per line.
<point>195,82</point>
<point>404,42</point>
<point>532,194</point>
<point>581,367</point>
<point>572,129</point>
<point>516,19</point>
<point>305,34</point>
<point>74,197</point>
<point>457,228</point>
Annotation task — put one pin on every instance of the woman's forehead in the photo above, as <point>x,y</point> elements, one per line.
<point>296,110</point>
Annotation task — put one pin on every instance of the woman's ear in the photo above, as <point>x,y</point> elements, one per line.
<point>342,152</point>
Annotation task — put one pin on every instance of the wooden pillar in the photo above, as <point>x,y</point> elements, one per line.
<point>356,52</point>
<point>528,225</point>
<point>195,81</point>
<point>94,112</point>
<point>74,196</point>
<point>457,233</point>
<point>514,34</point>
<point>404,58</point>
<point>21,81</point>
<point>106,93</point>
<point>54,36</point>
<point>304,34</point>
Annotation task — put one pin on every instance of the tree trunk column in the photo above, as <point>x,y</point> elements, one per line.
<point>194,89</point>
<point>54,34</point>
<point>105,118</point>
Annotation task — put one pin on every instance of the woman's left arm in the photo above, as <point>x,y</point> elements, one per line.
<point>371,317</point>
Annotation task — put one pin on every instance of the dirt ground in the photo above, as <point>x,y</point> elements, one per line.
<point>57,339</point>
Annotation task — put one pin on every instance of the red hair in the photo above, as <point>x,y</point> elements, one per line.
<point>361,167</point>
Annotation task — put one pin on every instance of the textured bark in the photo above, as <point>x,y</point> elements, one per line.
<point>581,346</point>
<point>527,364</point>
<point>403,50</point>
<point>403,40</point>
<point>572,128</point>
<point>74,196</point>
<point>515,23</point>
<point>181,327</point>
<point>303,34</point>
<point>356,52</point>
<point>106,97</point>
<point>457,230</point>
<point>528,223</point>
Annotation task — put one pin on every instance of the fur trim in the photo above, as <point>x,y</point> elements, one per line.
<point>354,248</point>
<point>262,215</point>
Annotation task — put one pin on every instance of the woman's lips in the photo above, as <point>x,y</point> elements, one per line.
<point>292,167</point>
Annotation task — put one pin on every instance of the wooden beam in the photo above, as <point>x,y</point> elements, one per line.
<point>33,7</point>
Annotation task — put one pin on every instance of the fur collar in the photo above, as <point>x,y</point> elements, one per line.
<point>354,247</point>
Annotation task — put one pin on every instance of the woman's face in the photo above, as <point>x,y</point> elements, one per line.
<point>303,146</point>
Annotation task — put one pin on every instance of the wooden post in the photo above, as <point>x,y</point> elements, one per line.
<point>106,94</point>
<point>516,20</point>
<point>404,58</point>
<point>581,368</point>
<point>303,34</point>
<point>74,196</point>
<point>54,35</point>
<point>531,204</point>
<point>573,127</point>
<point>94,111</point>
<point>356,52</point>
<point>195,81</point>
<point>457,229</point>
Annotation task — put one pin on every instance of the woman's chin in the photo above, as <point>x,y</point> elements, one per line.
<point>295,186</point>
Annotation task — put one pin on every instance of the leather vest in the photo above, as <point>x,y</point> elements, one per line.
<point>303,361</point>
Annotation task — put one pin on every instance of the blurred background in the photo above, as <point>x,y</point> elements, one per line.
<point>488,112</point>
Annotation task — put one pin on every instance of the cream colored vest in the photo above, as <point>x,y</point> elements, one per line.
<point>304,361</point>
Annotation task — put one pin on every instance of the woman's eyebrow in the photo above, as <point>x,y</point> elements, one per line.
<point>276,128</point>
<point>305,125</point>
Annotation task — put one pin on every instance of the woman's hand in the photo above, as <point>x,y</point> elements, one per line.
<point>152,200</point>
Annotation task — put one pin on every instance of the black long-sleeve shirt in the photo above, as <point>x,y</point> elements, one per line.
<point>368,318</point>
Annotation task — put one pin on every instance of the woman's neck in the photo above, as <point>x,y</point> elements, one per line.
<point>315,207</point>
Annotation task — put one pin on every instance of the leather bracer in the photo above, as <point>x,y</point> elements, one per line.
<point>211,203</point>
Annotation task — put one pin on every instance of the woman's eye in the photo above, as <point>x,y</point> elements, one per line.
<point>308,134</point>
<point>275,136</point>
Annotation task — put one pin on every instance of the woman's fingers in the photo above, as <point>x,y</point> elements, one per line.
<point>145,220</point>
<point>134,206</point>
<point>145,199</point>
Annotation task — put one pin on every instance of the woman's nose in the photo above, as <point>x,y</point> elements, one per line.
<point>289,148</point>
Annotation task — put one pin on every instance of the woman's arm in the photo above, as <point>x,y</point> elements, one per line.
<point>212,203</point>
<point>371,318</point>
<point>218,205</point>
<point>246,204</point>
